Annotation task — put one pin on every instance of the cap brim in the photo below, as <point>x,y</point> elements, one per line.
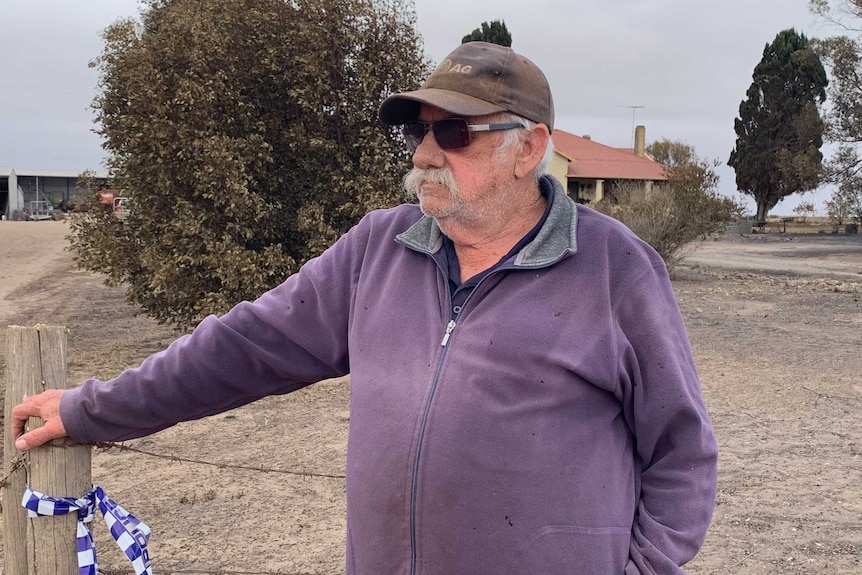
<point>402,108</point>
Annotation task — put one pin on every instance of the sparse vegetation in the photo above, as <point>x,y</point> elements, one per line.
<point>674,214</point>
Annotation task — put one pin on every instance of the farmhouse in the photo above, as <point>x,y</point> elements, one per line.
<point>590,170</point>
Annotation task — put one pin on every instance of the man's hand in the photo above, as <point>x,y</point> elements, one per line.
<point>45,405</point>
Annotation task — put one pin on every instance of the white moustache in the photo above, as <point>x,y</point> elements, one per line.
<point>416,177</point>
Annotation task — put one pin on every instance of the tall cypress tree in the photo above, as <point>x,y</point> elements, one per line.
<point>779,129</point>
<point>495,33</point>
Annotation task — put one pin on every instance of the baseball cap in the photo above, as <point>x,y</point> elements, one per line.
<point>476,79</point>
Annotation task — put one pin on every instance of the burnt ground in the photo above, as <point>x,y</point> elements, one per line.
<point>776,328</point>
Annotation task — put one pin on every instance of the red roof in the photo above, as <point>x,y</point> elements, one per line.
<point>596,161</point>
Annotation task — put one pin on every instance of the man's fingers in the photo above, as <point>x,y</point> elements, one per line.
<point>46,406</point>
<point>20,413</point>
<point>40,436</point>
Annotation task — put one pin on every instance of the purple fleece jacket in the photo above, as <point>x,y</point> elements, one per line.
<point>560,429</point>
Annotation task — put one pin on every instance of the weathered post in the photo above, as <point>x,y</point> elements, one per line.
<point>36,361</point>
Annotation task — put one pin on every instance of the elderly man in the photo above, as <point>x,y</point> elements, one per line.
<point>523,394</point>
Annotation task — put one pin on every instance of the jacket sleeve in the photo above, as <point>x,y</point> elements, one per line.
<point>293,335</point>
<point>674,441</point>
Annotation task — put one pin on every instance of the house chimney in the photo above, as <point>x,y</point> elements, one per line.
<point>640,141</point>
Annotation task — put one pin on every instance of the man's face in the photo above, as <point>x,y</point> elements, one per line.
<point>466,186</point>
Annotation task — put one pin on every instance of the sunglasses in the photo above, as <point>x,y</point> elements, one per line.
<point>450,134</point>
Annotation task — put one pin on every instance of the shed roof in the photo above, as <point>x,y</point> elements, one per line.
<point>6,171</point>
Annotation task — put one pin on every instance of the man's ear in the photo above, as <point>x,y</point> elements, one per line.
<point>532,151</point>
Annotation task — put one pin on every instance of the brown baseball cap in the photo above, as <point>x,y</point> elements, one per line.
<point>476,79</point>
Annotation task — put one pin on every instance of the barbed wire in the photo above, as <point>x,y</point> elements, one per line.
<point>178,459</point>
<point>170,571</point>
<point>829,395</point>
<point>18,462</point>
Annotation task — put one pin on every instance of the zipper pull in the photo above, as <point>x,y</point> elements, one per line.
<point>449,327</point>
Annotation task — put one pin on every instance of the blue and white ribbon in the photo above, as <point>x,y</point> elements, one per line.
<point>128,531</point>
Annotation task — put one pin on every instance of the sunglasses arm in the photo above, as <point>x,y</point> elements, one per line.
<point>492,127</point>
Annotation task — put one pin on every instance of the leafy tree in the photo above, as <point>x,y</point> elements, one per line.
<point>495,33</point>
<point>674,215</point>
<point>245,133</point>
<point>843,56</point>
<point>838,210</point>
<point>846,202</point>
<point>779,129</point>
<point>683,166</point>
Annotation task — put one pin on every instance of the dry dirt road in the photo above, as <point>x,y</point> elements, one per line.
<point>776,327</point>
<point>826,255</point>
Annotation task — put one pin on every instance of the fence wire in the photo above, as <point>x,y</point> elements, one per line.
<point>170,571</point>
<point>178,459</point>
<point>163,570</point>
<point>21,461</point>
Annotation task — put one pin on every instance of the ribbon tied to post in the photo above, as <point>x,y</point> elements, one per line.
<point>128,531</point>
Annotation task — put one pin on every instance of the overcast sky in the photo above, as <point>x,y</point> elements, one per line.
<point>687,63</point>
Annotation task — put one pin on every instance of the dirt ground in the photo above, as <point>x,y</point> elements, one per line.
<point>776,325</point>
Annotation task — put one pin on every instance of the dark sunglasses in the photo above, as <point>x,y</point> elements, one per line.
<point>450,134</point>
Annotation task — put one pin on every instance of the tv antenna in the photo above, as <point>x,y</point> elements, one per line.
<point>634,110</point>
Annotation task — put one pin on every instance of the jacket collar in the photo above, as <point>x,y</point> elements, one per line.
<point>557,238</point>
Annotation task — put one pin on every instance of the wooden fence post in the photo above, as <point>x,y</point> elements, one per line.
<point>36,361</point>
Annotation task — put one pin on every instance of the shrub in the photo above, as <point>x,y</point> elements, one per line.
<point>246,134</point>
<point>805,210</point>
<point>673,215</point>
<point>671,218</point>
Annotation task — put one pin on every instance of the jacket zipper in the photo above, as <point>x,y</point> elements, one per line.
<point>447,334</point>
